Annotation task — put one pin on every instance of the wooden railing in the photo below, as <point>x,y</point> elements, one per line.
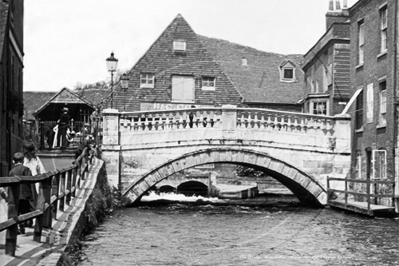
<point>56,189</point>
<point>368,195</point>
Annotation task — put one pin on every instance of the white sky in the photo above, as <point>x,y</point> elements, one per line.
<point>67,41</point>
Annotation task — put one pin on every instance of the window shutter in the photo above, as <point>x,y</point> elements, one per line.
<point>183,89</point>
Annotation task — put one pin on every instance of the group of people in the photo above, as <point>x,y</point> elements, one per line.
<point>61,135</point>
<point>58,137</point>
<point>26,163</point>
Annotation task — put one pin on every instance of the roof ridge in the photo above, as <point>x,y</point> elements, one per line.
<point>246,46</point>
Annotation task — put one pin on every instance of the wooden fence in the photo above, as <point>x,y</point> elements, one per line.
<point>368,194</point>
<point>56,188</point>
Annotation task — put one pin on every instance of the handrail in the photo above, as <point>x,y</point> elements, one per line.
<point>368,194</point>
<point>56,188</point>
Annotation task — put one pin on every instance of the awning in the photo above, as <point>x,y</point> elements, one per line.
<point>348,105</point>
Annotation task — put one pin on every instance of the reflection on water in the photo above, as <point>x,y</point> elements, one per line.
<point>192,234</point>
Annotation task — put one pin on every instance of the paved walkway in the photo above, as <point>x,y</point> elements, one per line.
<point>54,240</point>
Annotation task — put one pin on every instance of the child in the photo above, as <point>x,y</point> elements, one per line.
<point>25,191</point>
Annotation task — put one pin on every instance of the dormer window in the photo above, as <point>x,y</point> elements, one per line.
<point>179,46</point>
<point>287,71</point>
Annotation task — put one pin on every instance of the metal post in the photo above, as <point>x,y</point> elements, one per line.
<point>112,88</point>
<point>41,135</point>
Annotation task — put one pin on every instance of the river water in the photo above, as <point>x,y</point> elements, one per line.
<point>280,233</point>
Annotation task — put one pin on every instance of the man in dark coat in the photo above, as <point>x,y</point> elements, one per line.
<point>62,128</point>
<point>25,190</point>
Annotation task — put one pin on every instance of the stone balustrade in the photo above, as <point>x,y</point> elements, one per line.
<point>226,117</point>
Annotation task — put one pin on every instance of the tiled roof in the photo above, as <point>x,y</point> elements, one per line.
<point>3,22</point>
<point>259,81</point>
<point>65,96</point>
<point>33,100</point>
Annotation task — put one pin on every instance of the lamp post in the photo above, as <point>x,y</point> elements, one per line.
<point>124,83</point>
<point>112,62</point>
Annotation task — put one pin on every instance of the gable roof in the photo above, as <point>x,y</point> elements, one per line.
<point>3,24</point>
<point>258,81</point>
<point>65,96</point>
<point>162,60</point>
<point>33,100</point>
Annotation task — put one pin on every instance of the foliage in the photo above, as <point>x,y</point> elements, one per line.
<point>248,172</point>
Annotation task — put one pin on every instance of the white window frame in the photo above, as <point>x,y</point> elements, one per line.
<point>207,83</point>
<point>361,42</point>
<point>384,28</point>
<point>382,120</point>
<point>179,45</point>
<point>149,80</point>
<point>382,163</point>
<point>370,103</point>
<point>314,103</point>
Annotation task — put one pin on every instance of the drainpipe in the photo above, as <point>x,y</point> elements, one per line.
<point>396,111</point>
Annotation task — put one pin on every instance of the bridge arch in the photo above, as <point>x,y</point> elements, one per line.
<point>192,188</point>
<point>303,186</point>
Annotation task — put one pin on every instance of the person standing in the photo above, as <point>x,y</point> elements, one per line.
<point>35,165</point>
<point>62,128</point>
<point>25,190</point>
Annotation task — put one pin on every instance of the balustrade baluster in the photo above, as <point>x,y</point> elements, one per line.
<point>263,123</point>
<point>276,122</point>
<point>289,124</point>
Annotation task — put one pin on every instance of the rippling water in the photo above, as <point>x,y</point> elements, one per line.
<point>285,234</point>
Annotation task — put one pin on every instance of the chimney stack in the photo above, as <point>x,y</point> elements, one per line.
<point>336,13</point>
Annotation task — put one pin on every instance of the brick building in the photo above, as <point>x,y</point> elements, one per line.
<point>11,77</point>
<point>374,78</point>
<point>182,69</point>
<point>326,66</point>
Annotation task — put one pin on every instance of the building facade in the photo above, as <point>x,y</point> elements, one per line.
<point>11,77</point>
<point>374,78</point>
<point>327,66</point>
<point>183,69</point>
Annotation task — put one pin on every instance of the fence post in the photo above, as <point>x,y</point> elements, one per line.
<point>368,193</point>
<point>346,193</point>
<point>40,205</point>
<point>62,191</point>
<point>69,186</point>
<point>12,231</point>
<point>73,183</point>
<point>41,135</point>
<point>55,192</point>
<point>47,212</point>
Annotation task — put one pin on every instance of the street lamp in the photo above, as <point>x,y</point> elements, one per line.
<point>124,83</point>
<point>112,62</point>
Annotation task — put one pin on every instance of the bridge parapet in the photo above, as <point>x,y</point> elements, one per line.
<point>136,128</point>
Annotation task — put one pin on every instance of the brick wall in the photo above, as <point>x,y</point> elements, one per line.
<point>376,67</point>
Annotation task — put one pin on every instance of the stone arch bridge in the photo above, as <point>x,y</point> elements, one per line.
<point>299,150</point>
